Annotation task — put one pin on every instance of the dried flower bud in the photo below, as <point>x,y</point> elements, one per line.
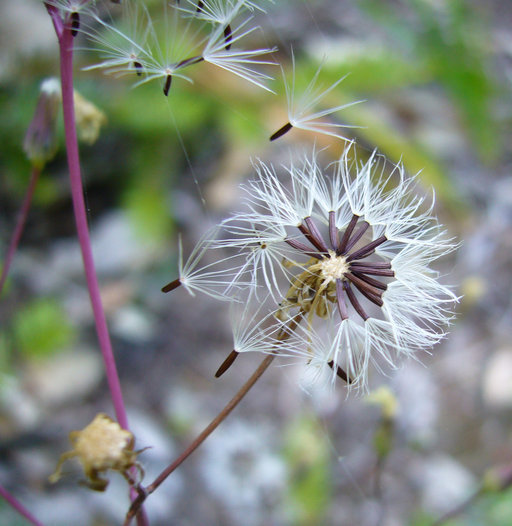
<point>386,400</point>
<point>89,119</point>
<point>100,446</point>
<point>40,142</point>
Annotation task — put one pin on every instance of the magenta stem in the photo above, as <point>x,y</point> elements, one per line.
<point>65,38</point>
<point>20,224</point>
<point>16,504</point>
<point>66,65</point>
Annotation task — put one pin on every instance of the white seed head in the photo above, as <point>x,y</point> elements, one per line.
<point>352,250</point>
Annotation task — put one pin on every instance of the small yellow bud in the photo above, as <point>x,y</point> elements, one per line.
<point>89,119</point>
<point>100,446</point>
<point>386,399</point>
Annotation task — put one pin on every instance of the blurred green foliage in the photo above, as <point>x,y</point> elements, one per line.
<point>448,45</point>
<point>154,137</point>
<point>489,509</point>
<point>308,455</point>
<point>41,328</point>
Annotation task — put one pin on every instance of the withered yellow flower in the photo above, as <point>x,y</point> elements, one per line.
<point>89,119</point>
<point>100,446</point>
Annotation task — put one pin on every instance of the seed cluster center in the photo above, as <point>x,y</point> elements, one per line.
<point>333,267</point>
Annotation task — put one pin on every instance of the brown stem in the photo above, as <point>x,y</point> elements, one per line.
<point>200,438</point>
<point>284,334</point>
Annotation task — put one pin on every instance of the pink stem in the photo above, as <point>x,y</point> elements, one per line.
<point>66,71</point>
<point>66,64</point>
<point>65,38</point>
<point>20,224</point>
<point>14,503</point>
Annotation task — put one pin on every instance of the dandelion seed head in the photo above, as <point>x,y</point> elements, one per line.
<point>352,248</point>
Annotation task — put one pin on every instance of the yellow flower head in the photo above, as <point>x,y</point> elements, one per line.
<point>100,446</point>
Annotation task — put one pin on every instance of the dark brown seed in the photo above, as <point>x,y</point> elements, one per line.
<point>172,285</point>
<point>311,238</point>
<point>355,302</point>
<point>367,249</point>
<point>138,68</point>
<point>340,296</point>
<point>361,284</point>
<point>370,281</point>
<point>304,248</point>
<point>372,264</point>
<point>333,231</point>
<point>279,133</point>
<point>189,61</point>
<point>357,236</point>
<point>75,23</point>
<point>226,364</point>
<point>317,236</point>
<point>228,37</point>
<point>199,6</point>
<point>372,297</point>
<point>347,234</point>
<point>340,372</point>
<point>167,85</point>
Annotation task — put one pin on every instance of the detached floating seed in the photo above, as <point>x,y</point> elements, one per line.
<point>279,133</point>
<point>226,364</point>
<point>172,285</point>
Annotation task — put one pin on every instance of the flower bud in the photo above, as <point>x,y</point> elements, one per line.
<point>40,142</point>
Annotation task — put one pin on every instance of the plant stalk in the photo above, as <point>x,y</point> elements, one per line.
<point>15,504</point>
<point>20,224</point>
<point>66,61</point>
<point>208,430</point>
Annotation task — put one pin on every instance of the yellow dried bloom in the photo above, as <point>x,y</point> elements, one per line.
<point>100,446</point>
<point>89,119</point>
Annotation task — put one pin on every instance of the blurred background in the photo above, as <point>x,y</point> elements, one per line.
<point>436,77</point>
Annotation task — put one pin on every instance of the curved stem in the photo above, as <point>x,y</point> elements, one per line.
<point>65,38</point>
<point>20,224</point>
<point>213,424</point>
<point>66,62</point>
<point>15,504</point>
<point>285,333</point>
<point>207,431</point>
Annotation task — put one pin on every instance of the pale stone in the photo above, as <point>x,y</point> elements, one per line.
<point>65,377</point>
<point>497,380</point>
